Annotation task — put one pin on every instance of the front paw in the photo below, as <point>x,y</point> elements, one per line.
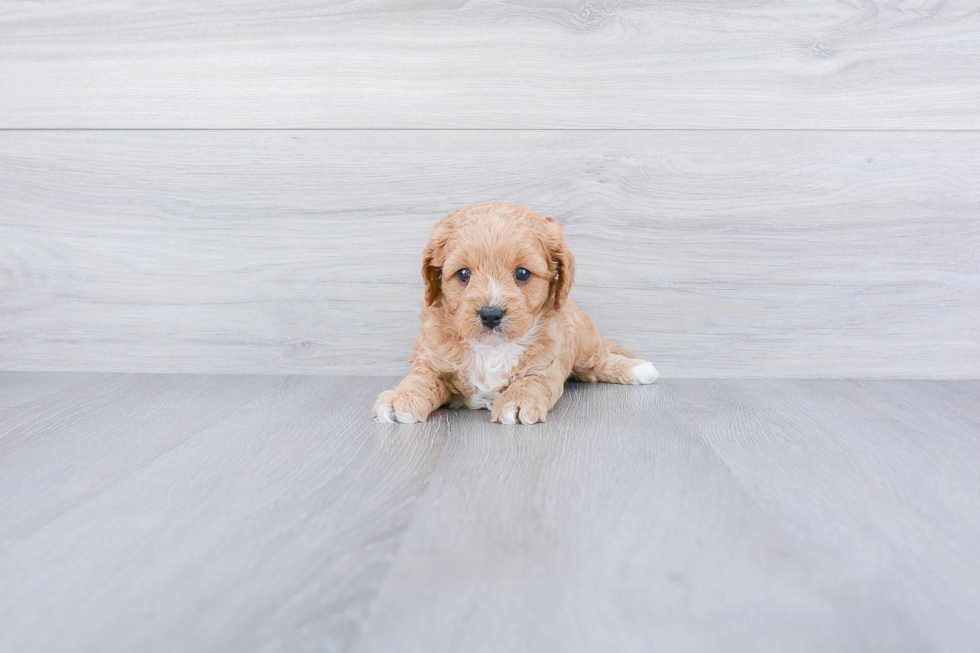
<point>518,407</point>
<point>399,406</point>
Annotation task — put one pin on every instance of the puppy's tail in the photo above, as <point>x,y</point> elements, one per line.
<point>615,348</point>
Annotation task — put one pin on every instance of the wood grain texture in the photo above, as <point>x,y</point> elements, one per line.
<point>405,64</point>
<point>725,254</point>
<point>19,388</point>
<point>879,479</point>
<point>614,526</point>
<point>256,524</point>
<point>700,515</point>
<point>708,515</point>
<point>91,435</point>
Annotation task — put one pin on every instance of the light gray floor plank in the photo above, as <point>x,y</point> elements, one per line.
<point>879,480</point>
<point>713,254</point>
<point>613,527</point>
<point>60,451</point>
<point>629,523</point>
<point>18,388</point>
<point>268,530</point>
<point>749,515</point>
<point>877,64</point>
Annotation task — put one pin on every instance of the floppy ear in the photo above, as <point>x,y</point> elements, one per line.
<point>563,261</point>
<point>432,259</point>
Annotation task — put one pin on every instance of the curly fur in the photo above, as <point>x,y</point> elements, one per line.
<point>518,370</point>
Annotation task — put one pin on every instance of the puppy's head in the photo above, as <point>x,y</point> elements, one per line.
<point>495,268</point>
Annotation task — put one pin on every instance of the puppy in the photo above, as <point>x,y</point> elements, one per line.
<point>499,330</point>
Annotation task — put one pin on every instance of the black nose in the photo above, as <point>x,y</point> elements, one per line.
<point>491,316</point>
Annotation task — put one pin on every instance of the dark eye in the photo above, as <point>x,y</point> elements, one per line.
<point>522,274</point>
<point>463,275</point>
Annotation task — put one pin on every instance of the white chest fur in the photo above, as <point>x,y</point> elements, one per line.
<point>489,368</point>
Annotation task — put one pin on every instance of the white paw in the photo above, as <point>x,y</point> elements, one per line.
<point>509,416</point>
<point>644,373</point>
<point>388,416</point>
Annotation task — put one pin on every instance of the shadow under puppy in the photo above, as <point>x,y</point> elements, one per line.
<point>499,330</point>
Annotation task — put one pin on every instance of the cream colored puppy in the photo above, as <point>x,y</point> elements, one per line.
<point>499,330</point>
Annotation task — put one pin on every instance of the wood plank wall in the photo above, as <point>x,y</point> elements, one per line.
<point>786,189</point>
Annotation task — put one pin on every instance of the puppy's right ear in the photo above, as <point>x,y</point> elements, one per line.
<point>431,274</point>
<point>432,259</point>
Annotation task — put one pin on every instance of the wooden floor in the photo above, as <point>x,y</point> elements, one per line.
<point>246,513</point>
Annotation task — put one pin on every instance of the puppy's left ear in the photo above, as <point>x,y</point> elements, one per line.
<point>562,260</point>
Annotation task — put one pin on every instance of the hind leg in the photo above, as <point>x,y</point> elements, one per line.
<point>612,363</point>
